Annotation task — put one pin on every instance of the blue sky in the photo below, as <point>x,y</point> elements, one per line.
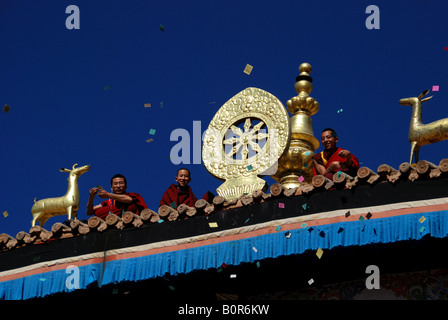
<point>77,96</point>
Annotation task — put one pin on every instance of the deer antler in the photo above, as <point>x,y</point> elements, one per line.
<point>74,166</point>
<point>424,93</point>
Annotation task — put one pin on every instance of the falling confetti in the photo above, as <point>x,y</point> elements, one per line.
<point>232,276</point>
<point>347,214</point>
<point>162,28</point>
<point>305,206</point>
<point>422,219</point>
<point>301,178</point>
<point>288,235</point>
<point>255,249</point>
<point>150,140</point>
<point>248,69</point>
<point>319,253</point>
<point>213,225</point>
<point>303,225</point>
<point>368,216</point>
<point>224,265</point>
<point>147,105</point>
<point>422,229</point>
<point>106,88</point>
<point>361,218</point>
<point>5,213</point>
<point>6,108</point>
<point>278,228</point>
<point>311,281</point>
<point>161,104</point>
<point>340,110</point>
<point>152,131</point>
<point>281,205</point>
<point>249,167</point>
<point>435,88</point>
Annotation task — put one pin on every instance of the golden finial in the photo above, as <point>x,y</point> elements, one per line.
<point>297,161</point>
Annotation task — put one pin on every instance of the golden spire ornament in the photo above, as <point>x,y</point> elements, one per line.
<point>295,166</point>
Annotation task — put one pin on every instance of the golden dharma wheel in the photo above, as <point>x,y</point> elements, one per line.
<point>245,139</point>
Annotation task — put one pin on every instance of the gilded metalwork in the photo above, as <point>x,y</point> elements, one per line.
<point>422,134</point>
<point>44,209</point>
<point>297,160</point>
<point>244,140</point>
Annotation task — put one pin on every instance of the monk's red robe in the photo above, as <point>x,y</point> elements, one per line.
<point>325,158</point>
<point>173,196</point>
<point>118,208</point>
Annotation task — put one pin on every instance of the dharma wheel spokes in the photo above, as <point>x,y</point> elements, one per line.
<point>247,142</point>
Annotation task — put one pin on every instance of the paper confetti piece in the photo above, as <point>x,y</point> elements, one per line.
<point>319,253</point>
<point>213,225</point>
<point>115,291</point>
<point>303,225</point>
<point>288,235</point>
<point>232,276</point>
<point>361,218</point>
<point>340,110</point>
<point>161,104</point>
<point>5,213</point>
<point>106,88</point>
<point>422,219</point>
<point>42,279</point>
<point>249,167</point>
<point>152,131</point>
<point>248,69</point>
<point>422,229</point>
<point>223,265</point>
<point>368,215</point>
<point>435,88</point>
<point>278,228</point>
<point>445,48</point>
<point>160,221</point>
<point>305,206</point>
<point>255,249</point>
<point>147,105</point>
<point>171,288</point>
<point>340,229</point>
<point>219,270</point>
<point>258,264</point>
<point>301,178</point>
<point>347,214</point>
<point>162,28</point>
<point>322,234</point>
<point>311,281</point>
<point>150,140</point>
<point>306,165</point>
<point>6,108</point>
<point>281,205</point>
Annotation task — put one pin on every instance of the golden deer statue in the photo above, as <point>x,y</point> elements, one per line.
<point>423,134</point>
<point>44,209</point>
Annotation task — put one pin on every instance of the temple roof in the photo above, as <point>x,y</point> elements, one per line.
<point>423,170</point>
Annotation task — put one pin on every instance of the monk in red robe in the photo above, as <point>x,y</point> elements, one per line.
<point>118,202</point>
<point>182,193</point>
<point>334,159</point>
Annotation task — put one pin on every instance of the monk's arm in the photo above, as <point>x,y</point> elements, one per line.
<point>90,208</point>
<point>320,168</point>
<point>120,198</point>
